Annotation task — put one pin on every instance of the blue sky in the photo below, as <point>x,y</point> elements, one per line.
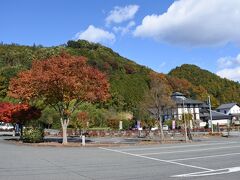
<point>158,34</point>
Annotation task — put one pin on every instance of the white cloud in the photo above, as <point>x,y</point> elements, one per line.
<point>121,14</point>
<point>230,73</point>
<point>94,34</point>
<point>162,65</point>
<point>229,67</point>
<point>228,61</point>
<point>194,23</point>
<point>124,30</point>
<point>225,62</point>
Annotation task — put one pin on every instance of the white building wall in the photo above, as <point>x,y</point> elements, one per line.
<point>197,116</point>
<point>183,110</point>
<point>180,110</point>
<point>235,109</point>
<point>221,122</point>
<point>197,110</point>
<point>191,110</point>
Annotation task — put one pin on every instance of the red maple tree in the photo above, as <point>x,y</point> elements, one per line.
<point>62,82</point>
<point>18,113</point>
<point>6,112</point>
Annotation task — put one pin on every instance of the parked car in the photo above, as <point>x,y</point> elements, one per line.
<point>6,126</point>
<point>7,129</point>
<point>165,127</point>
<point>154,128</point>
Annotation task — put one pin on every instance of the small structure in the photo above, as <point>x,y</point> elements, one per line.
<point>232,109</point>
<point>218,118</point>
<point>229,108</point>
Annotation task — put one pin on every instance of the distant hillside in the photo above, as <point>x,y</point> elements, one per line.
<point>222,89</point>
<point>128,80</point>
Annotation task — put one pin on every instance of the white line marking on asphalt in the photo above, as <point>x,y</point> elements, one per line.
<point>210,173</point>
<point>202,157</point>
<point>186,145</point>
<point>155,159</point>
<point>222,142</point>
<point>192,150</point>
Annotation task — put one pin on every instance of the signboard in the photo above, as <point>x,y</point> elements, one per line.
<point>120,125</point>
<point>173,124</point>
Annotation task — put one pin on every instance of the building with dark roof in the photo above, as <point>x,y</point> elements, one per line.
<point>223,115</point>
<point>217,117</point>
<point>229,108</point>
<point>185,106</point>
<point>182,106</point>
<point>232,109</point>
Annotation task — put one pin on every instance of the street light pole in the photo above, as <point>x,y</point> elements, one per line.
<point>210,112</point>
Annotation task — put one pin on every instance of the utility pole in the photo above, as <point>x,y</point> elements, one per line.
<point>210,112</point>
<point>185,124</point>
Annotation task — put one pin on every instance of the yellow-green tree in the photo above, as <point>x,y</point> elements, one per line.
<point>158,98</point>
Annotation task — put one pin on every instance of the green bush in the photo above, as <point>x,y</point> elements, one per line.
<point>168,122</point>
<point>32,135</point>
<point>127,124</point>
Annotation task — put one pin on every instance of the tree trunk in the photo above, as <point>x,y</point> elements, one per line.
<point>185,131</point>
<point>64,130</point>
<point>161,130</point>
<point>189,134</point>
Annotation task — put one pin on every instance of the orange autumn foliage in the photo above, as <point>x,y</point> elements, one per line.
<point>60,80</point>
<point>18,113</point>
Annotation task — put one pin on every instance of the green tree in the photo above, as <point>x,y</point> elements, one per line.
<point>50,118</point>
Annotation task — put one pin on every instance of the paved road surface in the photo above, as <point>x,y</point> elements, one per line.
<point>217,158</point>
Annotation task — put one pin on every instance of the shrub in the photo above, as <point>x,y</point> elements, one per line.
<point>113,123</point>
<point>168,122</point>
<point>127,124</point>
<point>33,135</point>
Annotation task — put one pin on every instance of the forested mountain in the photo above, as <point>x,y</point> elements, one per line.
<point>221,89</point>
<point>128,80</point>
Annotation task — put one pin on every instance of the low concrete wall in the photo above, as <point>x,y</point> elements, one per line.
<point>102,133</point>
<point>125,133</point>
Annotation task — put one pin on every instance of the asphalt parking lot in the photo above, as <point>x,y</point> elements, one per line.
<point>216,158</point>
